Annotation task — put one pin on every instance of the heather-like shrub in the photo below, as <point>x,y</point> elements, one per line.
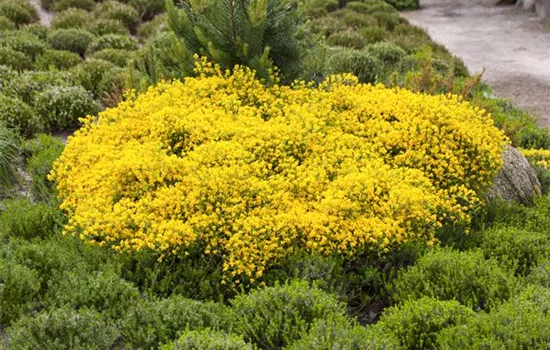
<point>303,167</point>
<point>388,53</point>
<point>540,274</point>
<point>521,323</point>
<point>61,107</point>
<point>275,317</point>
<point>14,59</point>
<point>452,275</point>
<point>6,24</point>
<point>112,41</point>
<point>98,76</point>
<point>9,152</point>
<point>354,20</point>
<point>37,29</point>
<point>63,5</point>
<point>17,114</point>
<point>148,9</point>
<point>416,323</point>
<point>72,18</point>
<point>57,59</point>
<point>207,339</point>
<point>325,26</point>
<point>115,56</point>
<point>120,12</point>
<point>18,11</point>
<point>62,329</point>
<point>44,150</point>
<point>19,291</point>
<point>347,38</point>
<point>103,26</point>
<point>26,43</point>
<point>153,27</point>
<point>27,84</point>
<point>149,323</point>
<point>27,220</point>
<point>361,63</point>
<point>320,8</point>
<point>373,35</point>
<point>72,39</point>
<point>404,4</point>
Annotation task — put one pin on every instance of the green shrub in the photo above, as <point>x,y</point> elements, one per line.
<point>26,43</point>
<point>44,150</point>
<point>153,27</point>
<point>451,275</point>
<point>73,39</point>
<point>533,136</point>
<point>120,12</point>
<point>517,249</point>
<point>37,29</point>
<point>103,26</point>
<point>19,291</point>
<point>373,35</point>
<point>207,339</point>
<point>540,275</point>
<point>148,9</point>
<point>320,8</point>
<point>347,38</point>
<point>27,220</point>
<point>57,59</point>
<point>9,153</point>
<point>325,26</point>
<point>405,4</point>
<point>370,6</point>
<point>61,107</point>
<point>18,11</point>
<point>388,53</point>
<point>277,316</point>
<point>16,113</point>
<point>521,323</point>
<point>112,41</point>
<point>387,20</point>
<point>115,56</point>
<point>416,323</point>
<point>6,24</point>
<point>27,84</point>
<point>71,18</point>
<point>354,20</point>
<point>14,59</point>
<point>149,323</point>
<point>61,329</point>
<point>63,5</point>
<point>361,63</point>
<point>98,76</point>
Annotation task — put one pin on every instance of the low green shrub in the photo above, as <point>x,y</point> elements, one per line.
<point>517,249</point>
<point>348,38</point>
<point>72,39</point>
<point>275,317</point>
<point>27,84</point>
<point>208,339</point>
<point>115,56</point>
<point>149,323</point>
<point>19,291</point>
<point>61,107</point>
<point>416,323</point>
<point>103,26</point>
<point>24,42</point>
<point>71,18</point>
<point>17,114</point>
<point>40,30</point>
<point>112,41</point>
<point>44,150</point>
<point>521,323</point>
<point>57,59</point>
<point>18,11</point>
<point>361,63</point>
<point>325,26</point>
<point>63,5</point>
<point>372,35</point>
<point>533,136</point>
<point>320,8</point>
<point>404,4</point>
<point>154,27</point>
<point>388,53</point>
<point>452,275</point>
<point>120,12</point>
<point>6,24</point>
<point>387,20</point>
<point>14,59</point>
<point>98,76</point>
<point>27,220</point>
<point>9,153</point>
<point>540,275</point>
<point>354,20</point>
<point>62,328</point>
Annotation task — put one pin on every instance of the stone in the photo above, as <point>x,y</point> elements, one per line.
<point>517,180</point>
<point>542,7</point>
<point>527,5</point>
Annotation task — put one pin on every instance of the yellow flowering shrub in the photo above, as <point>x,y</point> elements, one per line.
<point>250,172</point>
<point>538,157</point>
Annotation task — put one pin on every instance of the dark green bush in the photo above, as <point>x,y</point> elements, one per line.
<point>63,328</point>
<point>9,153</point>
<point>416,323</point>
<point>24,42</point>
<point>149,323</point>
<point>14,59</point>
<point>275,317</point>
<point>72,39</point>
<point>521,323</point>
<point>17,114</point>
<point>72,18</point>
<point>112,41</point>
<point>27,220</point>
<point>61,107</point>
<point>517,249</point>
<point>147,9</point>
<point>103,26</point>
<point>207,339</point>
<point>452,275</point>
<point>6,24</point>
<point>120,12</point>
<point>115,56</point>
<point>18,11</point>
<point>361,63</point>
<point>57,59</point>
<point>347,38</point>
<point>44,150</point>
<point>19,291</point>
<point>63,5</point>
<point>373,35</point>
<point>533,136</point>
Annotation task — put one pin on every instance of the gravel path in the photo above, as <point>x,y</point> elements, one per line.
<point>513,46</point>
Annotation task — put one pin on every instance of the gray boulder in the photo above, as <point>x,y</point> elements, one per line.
<point>517,181</point>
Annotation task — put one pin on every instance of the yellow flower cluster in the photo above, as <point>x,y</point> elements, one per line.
<point>250,172</point>
<point>538,157</point>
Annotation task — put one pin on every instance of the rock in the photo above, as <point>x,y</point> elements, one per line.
<point>543,8</point>
<point>517,181</point>
<point>527,5</point>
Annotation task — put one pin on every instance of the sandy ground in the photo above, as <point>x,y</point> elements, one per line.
<point>513,47</point>
<point>45,16</point>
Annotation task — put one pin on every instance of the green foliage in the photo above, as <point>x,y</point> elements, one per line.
<point>63,5</point>
<point>16,113</point>
<point>19,290</point>
<point>61,107</point>
<point>27,84</point>
<point>373,35</point>
<point>103,26</point>
<point>319,8</point>
<point>354,20</point>
<point>18,11</point>
<point>14,59</point>
<point>275,317</point>
<point>57,59</point>
<point>98,76</point>
<point>27,220</point>
<point>388,53</point>
<point>120,12</point>
<point>521,323</point>
<point>37,29</point>
<point>540,275</point>
<point>452,275</point>
<point>72,39</point>
<point>115,56</point>
<point>62,328</point>
<point>416,323</point>
<point>361,63</point>
<point>44,150</point>
<point>347,38</point>
<point>112,41</point>
<point>9,152</point>
<point>6,24</point>
<point>71,18</point>
<point>148,9</point>
<point>405,4</point>
<point>207,339</point>
<point>152,28</point>
<point>149,323</point>
<point>24,42</point>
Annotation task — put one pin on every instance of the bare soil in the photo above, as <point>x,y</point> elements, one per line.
<point>512,45</point>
